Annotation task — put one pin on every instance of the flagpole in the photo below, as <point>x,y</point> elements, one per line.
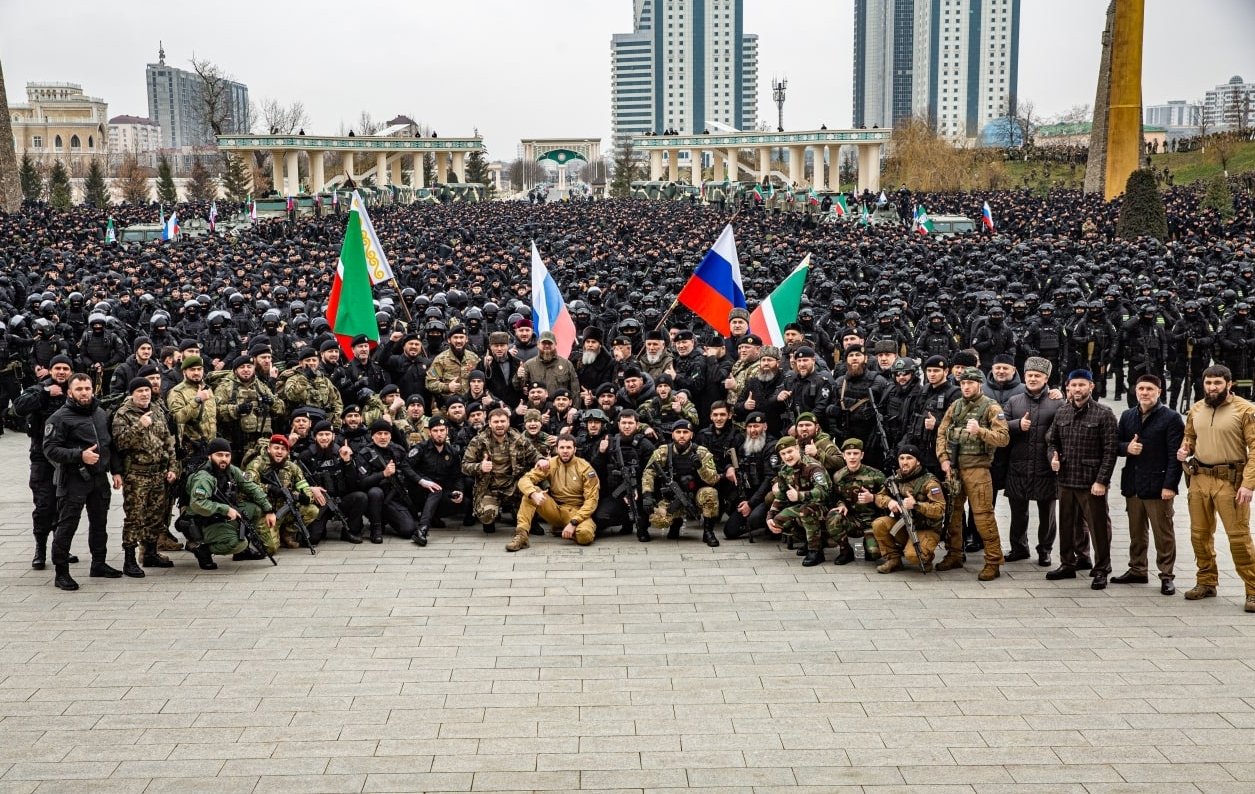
<point>667,313</point>
<point>408,317</point>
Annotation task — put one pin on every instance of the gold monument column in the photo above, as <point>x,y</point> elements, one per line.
<point>1116,140</point>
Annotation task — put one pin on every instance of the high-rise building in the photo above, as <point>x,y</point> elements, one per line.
<point>687,65</point>
<point>175,103</point>
<point>1230,106</point>
<point>135,135</point>
<point>1180,119</point>
<point>954,63</point>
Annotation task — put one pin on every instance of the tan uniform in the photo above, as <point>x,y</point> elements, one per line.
<point>928,515</point>
<point>572,498</point>
<point>975,456</point>
<point>1222,438</point>
<point>447,374</point>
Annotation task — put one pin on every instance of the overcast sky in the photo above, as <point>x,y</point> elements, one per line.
<point>542,67</point>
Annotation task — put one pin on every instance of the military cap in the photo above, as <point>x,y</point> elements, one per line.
<point>548,336</point>
<point>756,417</point>
<point>903,364</point>
<point>324,425</point>
<point>391,388</point>
<point>912,450</point>
<point>241,361</point>
<point>536,384</point>
<point>805,351</point>
<point>654,335</point>
<point>850,349</point>
<point>935,362</point>
<point>437,421</point>
<point>739,312</point>
<point>852,443</point>
<point>191,361</point>
<point>770,351</point>
<point>531,415</point>
<point>144,371</point>
<point>330,344</point>
<point>415,399</point>
<point>260,349</point>
<point>807,416</point>
<point>751,339</point>
<point>279,438</point>
<point>218,445</point>
<point>350,409</point>
<point>361,339</point>
<point>307,353</point>
<point>972,373</point>
<point>621,340</point>
<point>188,344</point>
<point>683,335</point>
<point>60,360</point>
<point>785,442</point>
<point>380,426</point>
<point>137,383</point>
<point>606,388</point>
<point>682,424</point>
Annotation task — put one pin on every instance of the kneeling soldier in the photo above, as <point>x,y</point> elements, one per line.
<point>855,486</point>
<point>801,495</point>
<point>568,506</point>
<point>922,495</point>
<point>211,491</point>
<point>275,473</point>
<point>677,470</point>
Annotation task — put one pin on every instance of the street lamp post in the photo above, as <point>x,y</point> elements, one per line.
<point>778,87</point>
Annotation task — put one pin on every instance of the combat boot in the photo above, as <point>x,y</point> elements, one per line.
<point>889,565</point>
<point>1250,603</point>
<point>205,558</point>
<point>1200,591</point>
<point>153,558</point>
<point>63,580</point>
<point>815,557</point>
<point>167,542</point>
<point>103,570</point>
<point>708,533</point>
<point>845,556</point>
<point>376,534</point>
<point>989,573</point>
<point>349,537</point>
<point>129,566</point>
<point>950,563</point>
<point>643,535</point>
<point>521,540</point>
<point>674,532</point>
<point>40,560</point>
<point>490,528</point>
<point>420,535</point>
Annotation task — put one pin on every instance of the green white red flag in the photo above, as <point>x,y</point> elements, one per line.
<point>351,306</point>
<point>780,307</point>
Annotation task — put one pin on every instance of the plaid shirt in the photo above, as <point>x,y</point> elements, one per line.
<point>1085,439</point>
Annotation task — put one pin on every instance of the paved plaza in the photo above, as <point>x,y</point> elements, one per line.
<point>618,667</point>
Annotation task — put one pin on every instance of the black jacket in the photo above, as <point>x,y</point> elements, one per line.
<point>1160,433</point>
<point>70,430</point>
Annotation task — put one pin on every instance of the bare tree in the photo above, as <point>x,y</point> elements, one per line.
<point>1077,114</point>
<point>1204,122</point>
<point>596,172</point>
<point>366,125</point>
<point>213,110</point>
<point>281,119</point>
<point>525,172</point>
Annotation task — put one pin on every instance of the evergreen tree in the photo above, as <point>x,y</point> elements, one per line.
<point>477,172</point>
<point>1219,198</point>
<point>135,188</point>
<point>167,193</point>
<point>235,179</point>
<point>429,169</point>
<point>202,186</point>
<point>59,187</point>
<point>96,192</point>
<point>32,181</point>
<point>1142,214</point>
<point>625,172</point>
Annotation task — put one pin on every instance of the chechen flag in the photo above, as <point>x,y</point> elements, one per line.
<point>715,288</point>
<point>781,306</point>
<point>351,307</point>
<point>549,311</point>
<point>376,259</point>
<point>838,206</point>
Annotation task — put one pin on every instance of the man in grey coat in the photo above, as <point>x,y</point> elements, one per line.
<point>1029,477</point>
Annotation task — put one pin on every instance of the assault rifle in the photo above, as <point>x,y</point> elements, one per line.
<point>674,490</point>
<point>741,494</point>
<point>248,533</point>
<point>332,503</point>
<point>880,424</point>
<point>627,489</point>
<point>908,521</point>
<point>289,506</point>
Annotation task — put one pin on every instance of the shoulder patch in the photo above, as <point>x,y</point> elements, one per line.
<point>48,429</point>
<point>934,491</point>
<point>1001,416</point>
<point>592,475</point>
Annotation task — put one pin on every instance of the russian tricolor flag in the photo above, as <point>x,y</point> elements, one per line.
<point>549,312</point>
<point>715,288</point>
<point>170,228</point>
<point>987,217</point>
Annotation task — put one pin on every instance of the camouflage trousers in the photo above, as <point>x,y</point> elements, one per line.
<point>487,503</point>
<point>667,510</point>
<point>223,537</point>
<point>805,523</point>
<point>285,529</point>
<point>842,528</point>
<point>557,516</point>
<point>895,542</point>
<point>146,507</point>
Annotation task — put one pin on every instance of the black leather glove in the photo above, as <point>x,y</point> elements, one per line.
<point>246,408</point>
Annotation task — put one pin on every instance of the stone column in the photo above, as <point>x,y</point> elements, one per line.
<point>797,165</point>
<point>717,166</point>
<point>417,180</point>
<point>695,166</point>
<point>346,159</point>
<point>821,179</point>
<point>459,165</point>
<point>442,167</point>
<point>381,169</point>
<point>317,171</point>
<point>764,162</point>
<point>869,167</point>
<point>292,165</point>
<point>395,165</point>
<point>673,167</point>
<point>734,167</point>
<point>655,165</point>
<point>276,171</point>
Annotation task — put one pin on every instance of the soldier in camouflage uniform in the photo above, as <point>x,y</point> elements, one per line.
<point>817,444</point>
<point>413,425</point>
<point>855,487</point>
<point>496,458</point>
<point>450,371</point>
<point>218,496</point>
<point>923,496</point>
<point>691,468</point>
<point>275,465</point>
<point>245,405</point>
<point>800,499</point>
<point>143,438</point>
<point>195,412</point>
<point>307,385</point>
<point>744,368</point>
